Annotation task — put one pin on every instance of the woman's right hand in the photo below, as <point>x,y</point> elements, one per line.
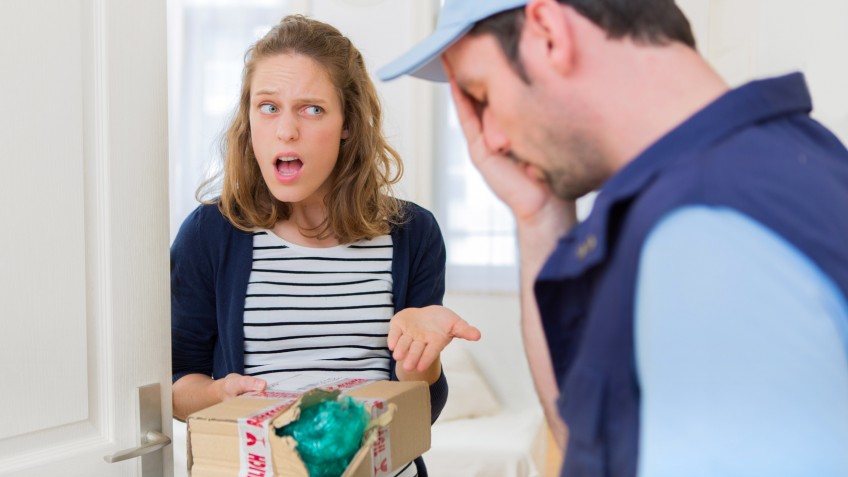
<point>235,384</point>
<point>194,392</point>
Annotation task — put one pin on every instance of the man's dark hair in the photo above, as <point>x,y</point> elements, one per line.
<point>652,22</point>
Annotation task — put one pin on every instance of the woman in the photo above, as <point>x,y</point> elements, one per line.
<point>305,263</point>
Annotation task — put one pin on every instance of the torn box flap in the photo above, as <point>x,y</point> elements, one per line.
<point>309,399</point>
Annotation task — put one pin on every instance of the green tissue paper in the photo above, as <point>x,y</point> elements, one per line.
<point>328,434</point>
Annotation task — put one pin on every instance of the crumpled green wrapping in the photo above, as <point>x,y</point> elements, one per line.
<point>328,435</point>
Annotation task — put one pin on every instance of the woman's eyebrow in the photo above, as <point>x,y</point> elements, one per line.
<point>304,99</point>
<point>265,92</point>
<point>312,100</point>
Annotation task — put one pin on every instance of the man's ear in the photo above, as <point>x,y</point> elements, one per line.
<point>548,35</point>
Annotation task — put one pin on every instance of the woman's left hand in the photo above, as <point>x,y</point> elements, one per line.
<point>418,335</point>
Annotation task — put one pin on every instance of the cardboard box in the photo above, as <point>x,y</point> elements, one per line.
<point>238,434</point>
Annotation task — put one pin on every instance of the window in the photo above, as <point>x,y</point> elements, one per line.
<point>479,229</point>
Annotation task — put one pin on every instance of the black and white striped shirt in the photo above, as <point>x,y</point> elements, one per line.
<point>318,310</point>
<point>321,311</point>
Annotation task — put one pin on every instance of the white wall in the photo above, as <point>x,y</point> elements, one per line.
<point>746,39</point>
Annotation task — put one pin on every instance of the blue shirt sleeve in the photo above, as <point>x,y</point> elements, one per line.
<point>741,350</point>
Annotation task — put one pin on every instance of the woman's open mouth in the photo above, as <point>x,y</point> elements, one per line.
<point>287,167</point>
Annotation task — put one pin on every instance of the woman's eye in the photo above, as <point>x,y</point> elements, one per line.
<point>268,108</point>
<point>313,110</point>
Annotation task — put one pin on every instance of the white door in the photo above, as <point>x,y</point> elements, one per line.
<point>84,243</point>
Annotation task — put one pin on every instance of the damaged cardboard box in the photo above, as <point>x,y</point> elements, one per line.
<point>237,437</point>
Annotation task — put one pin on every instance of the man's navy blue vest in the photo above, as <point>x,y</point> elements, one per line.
<point>754,150</point>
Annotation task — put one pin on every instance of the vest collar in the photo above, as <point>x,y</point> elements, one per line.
<point>586,244</point>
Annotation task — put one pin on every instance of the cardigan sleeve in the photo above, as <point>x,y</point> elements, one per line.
<point>427,270</point>
<point>193,318</point>
<point>426,285</point>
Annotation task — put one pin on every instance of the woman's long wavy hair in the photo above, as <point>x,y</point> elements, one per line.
<point>360,203</point>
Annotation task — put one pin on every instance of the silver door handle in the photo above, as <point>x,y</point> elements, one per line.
<point>150,429</point>
<point>154,441</point>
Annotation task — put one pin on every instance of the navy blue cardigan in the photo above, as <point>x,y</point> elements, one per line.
<point>210,267</point>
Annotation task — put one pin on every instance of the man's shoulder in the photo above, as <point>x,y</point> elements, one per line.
<point>755,169</point>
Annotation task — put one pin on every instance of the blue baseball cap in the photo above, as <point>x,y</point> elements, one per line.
<point>456,19</point>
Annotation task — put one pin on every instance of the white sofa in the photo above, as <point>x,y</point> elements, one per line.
<point>511,442</point>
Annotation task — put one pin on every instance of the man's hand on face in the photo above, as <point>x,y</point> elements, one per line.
<point>517,183</point>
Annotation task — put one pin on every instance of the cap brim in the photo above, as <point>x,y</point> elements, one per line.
<point>423,60</point>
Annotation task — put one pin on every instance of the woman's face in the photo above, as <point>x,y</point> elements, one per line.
<point>296,127</point>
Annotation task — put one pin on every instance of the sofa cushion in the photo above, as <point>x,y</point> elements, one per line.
<point>469,394</point>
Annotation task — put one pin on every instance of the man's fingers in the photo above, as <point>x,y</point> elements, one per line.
<point>468,118</point>
<point>465,112</point>
<point>461,329</point>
